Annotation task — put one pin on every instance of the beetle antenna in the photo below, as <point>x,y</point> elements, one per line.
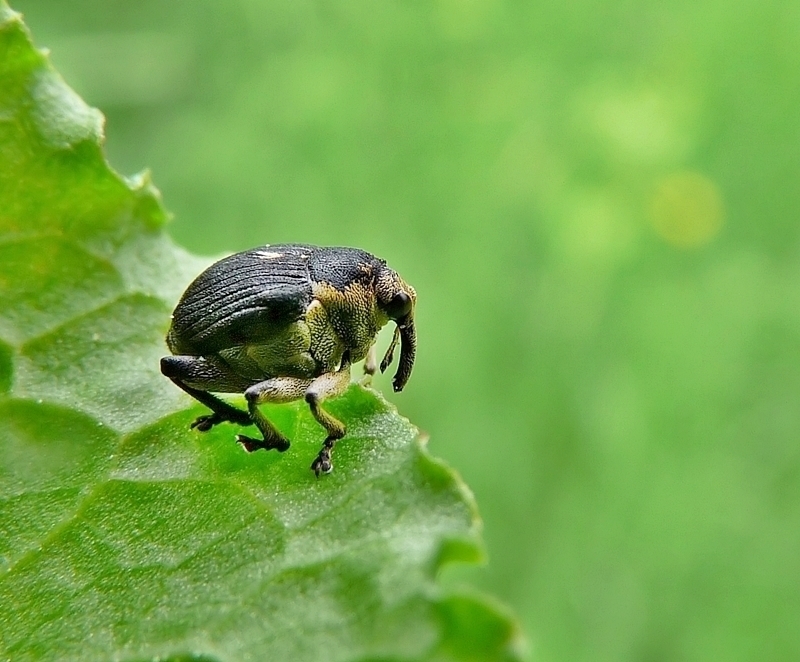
<point>389,356</point>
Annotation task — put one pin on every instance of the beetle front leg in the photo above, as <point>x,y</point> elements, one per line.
<point>370,366</point>
<point>277,389</point>
<point>323,387</point>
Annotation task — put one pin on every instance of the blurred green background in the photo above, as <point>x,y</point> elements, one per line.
<point>599,206</point>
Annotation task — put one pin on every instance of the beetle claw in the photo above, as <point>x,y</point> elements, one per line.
<point>322,465</point>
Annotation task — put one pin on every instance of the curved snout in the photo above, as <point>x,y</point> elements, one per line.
<point>408,350</point>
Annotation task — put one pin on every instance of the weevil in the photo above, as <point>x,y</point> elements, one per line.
<point>284,322</point>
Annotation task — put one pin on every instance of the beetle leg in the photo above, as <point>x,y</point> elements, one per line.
<point>198,371</point>
<point>370,365</point>
<point>277,389</point>
<point>323,387</point>
<point>389,356</point>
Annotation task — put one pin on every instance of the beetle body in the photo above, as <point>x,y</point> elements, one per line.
<point>284,322</point>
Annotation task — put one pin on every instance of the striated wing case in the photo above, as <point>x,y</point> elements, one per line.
<point>242,298</point>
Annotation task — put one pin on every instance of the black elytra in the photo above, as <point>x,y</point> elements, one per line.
<point>285,322</point>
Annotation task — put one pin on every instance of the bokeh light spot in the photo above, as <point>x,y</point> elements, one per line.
<point>686,209</point>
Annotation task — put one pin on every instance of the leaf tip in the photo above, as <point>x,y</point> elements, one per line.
<point>8,15</point>
<point>149,205</point>
<point>477,627</point>
<point>62,117</point>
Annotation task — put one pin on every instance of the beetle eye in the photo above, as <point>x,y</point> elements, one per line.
<point>399,306</point>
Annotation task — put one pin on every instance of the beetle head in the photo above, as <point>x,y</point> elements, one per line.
<point>396,299</point>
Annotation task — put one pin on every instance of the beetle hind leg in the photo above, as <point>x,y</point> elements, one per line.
<point>190,372</point>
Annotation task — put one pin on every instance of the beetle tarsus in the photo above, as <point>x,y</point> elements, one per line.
<point>251,445</point>
<point>323,464</point>
<point>205,423</point>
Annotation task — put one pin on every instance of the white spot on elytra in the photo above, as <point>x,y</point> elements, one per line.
<point>268,255</point>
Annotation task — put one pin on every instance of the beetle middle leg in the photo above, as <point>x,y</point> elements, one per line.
<point>326,386</point>
<point>276,389</point>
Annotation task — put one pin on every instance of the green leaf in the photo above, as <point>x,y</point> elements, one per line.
<point>126,536</point>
